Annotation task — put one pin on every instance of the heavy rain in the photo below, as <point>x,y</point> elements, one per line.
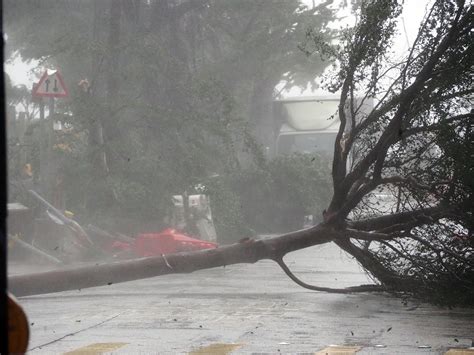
<point>238,176</point>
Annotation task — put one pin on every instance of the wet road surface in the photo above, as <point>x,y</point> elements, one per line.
<point>244,309</point>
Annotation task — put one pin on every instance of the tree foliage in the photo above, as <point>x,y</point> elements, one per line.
<point>404,150</point>
<point>271,198</point>
<point>402,189</point>
<point>171,93</point>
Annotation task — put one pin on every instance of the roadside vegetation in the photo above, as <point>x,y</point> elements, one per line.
<point>188,104</point>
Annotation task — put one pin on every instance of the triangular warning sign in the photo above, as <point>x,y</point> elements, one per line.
<point>51,84</point>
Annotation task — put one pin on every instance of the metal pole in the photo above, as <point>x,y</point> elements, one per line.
<point>51,108</point>
<point>42,142</point>
<point>46,141</point>
<point>51,174</point>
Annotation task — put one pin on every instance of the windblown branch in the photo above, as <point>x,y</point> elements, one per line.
<point>406,181</point>
<point>369,236</point>
<point>436,126</point>
<point>421,216</point>
<point>353,289</point>
<point>374,267</point>
<point>391,134</point>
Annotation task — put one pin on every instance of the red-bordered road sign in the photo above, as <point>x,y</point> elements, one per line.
<point>51,84</point>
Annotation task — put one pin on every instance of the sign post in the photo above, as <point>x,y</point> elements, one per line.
<point>51,85</point>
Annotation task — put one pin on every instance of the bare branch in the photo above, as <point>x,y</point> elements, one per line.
<point>370,236</point>
<point>421,216</point>
<point>390,134</point>
<point>436,126</point>
<point>372,265</point>
<point>353,289</point>
<point>407,181</point>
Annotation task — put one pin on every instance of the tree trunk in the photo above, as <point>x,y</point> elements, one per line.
<point>248,251</point>
<point>111,130</point>
<point>96,136</point>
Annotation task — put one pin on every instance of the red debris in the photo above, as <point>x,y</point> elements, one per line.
<point>168,241</point>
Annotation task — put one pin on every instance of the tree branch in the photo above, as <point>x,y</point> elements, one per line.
<point>435,126</point>
<point>370,236</point>
<point>353,289</point>
<point>372,265</point>
<point>422,216</point>
<point>391,132</point>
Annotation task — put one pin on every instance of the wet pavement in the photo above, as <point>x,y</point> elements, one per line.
<point>244,309</point>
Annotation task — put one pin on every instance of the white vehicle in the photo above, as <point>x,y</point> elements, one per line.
<point>309,124</point>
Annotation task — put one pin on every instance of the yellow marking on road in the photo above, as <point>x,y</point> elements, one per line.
<point>339,350</point>
<point>460,352</point>
<point>216,349</point>
<point>95,349</point>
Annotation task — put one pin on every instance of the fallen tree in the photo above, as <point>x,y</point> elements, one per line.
<point>401,202</point>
